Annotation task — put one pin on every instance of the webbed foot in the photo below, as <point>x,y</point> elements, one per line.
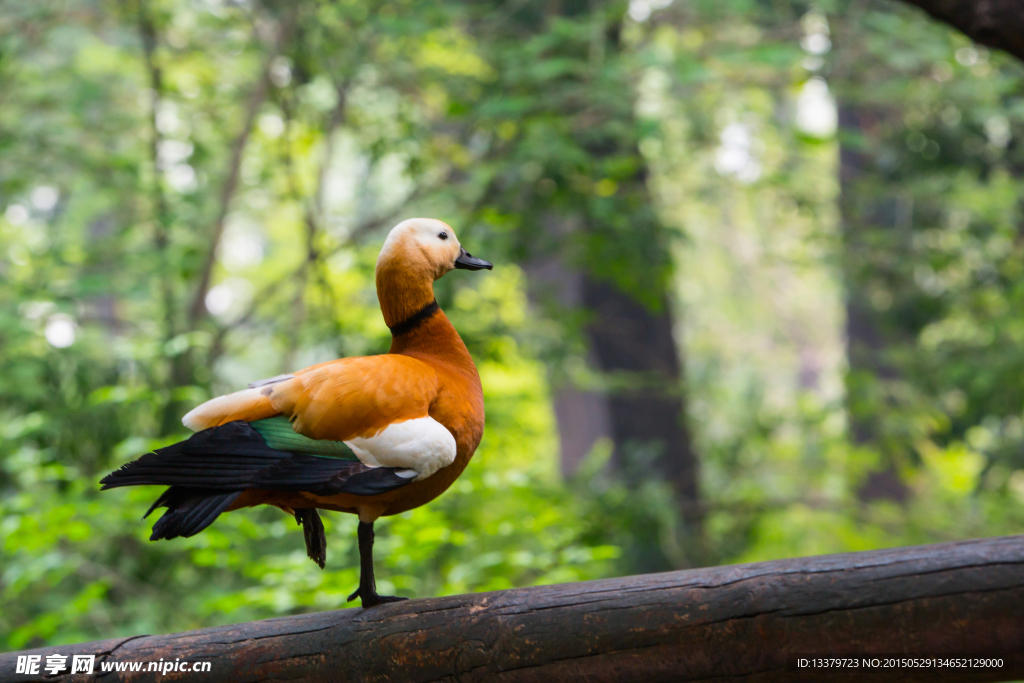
<point>372,599</point>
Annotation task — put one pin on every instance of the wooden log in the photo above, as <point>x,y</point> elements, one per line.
<point>743,622</point>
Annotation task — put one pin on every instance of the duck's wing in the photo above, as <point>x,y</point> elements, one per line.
<point>208,472</point>
<point>337,400</point>
<point>356,426</point>
<point>236,457</point>
<point>355,397</point>
<point>375,407</point>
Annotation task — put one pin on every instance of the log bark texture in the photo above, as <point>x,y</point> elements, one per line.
<point>741,622</point>
<point>995,23</point>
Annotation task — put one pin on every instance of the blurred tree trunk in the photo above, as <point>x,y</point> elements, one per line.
<point>630,342</point>
<point>868,219</point>
<point>589,237</point>
<point>627,337</point>
<point>582,414</point>
<point>643,412</point>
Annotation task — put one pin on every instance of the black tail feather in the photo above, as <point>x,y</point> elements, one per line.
<point>166,500</point>
<point>189,511</point>
<point>313,530</point>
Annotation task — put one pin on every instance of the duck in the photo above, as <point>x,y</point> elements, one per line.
<point>371,436</point>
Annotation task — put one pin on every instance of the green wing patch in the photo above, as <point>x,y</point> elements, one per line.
<point>278,433</point>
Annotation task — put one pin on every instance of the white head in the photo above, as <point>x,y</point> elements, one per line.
<point>426,247</point>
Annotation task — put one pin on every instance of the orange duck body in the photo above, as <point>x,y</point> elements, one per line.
<point>373,436</point>
<point>428,372</point>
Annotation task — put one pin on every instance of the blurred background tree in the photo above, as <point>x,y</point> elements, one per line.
<point>757,294</point>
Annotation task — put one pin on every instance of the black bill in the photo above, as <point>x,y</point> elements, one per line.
<point>467,261</point>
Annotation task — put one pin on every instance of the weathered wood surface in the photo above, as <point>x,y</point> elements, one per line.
<point>740,622</point>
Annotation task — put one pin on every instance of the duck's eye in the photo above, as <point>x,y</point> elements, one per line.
<point>443,235</point>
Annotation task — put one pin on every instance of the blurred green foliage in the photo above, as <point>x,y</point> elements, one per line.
<point>120,126</point>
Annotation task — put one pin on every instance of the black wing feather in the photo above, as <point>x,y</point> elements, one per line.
<point>328,476</point>
<point>235,457</point>
<point>208,471</point>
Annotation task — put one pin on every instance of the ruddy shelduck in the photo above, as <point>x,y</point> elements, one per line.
<point>374,436</point>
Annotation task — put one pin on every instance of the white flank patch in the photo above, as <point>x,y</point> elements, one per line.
<point>423,445</point>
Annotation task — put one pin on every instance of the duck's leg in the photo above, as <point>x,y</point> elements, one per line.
<point>367,585</point>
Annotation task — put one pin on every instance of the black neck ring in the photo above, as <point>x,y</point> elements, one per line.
<point>415,320</point>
